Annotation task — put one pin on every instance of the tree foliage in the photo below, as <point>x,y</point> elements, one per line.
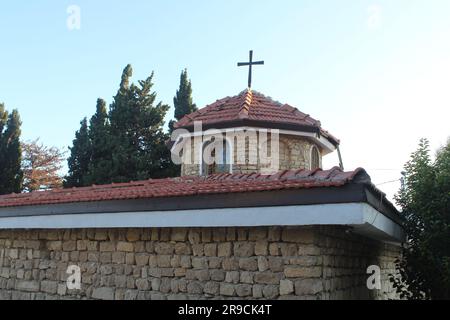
<point>139,149</point>
<point>11,175</point>
<point>424,267</point>
<point>41,166</point>
<point>80,157</point>
<point>183,101</point>
<point>127,143</point>
<point>184,105</point>
<point>99,171</point>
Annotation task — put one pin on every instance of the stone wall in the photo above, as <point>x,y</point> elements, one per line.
<point>294,153</point>
<point>248,263</point>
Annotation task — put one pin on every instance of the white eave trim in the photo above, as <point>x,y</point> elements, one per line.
<point>326,145</point>
<point>363,219</point>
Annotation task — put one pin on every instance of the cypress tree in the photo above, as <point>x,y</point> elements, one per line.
<point>154,155</point>
<point>184,105</point>
<point>100,166</point>
<point>80,157</point>
<point>123,162</point>
<point>3,118</point>
<point>4,184</point>
<point>183,99</point>
<point>11,174</point>
<point>127,143</point>
<point>136,122</point>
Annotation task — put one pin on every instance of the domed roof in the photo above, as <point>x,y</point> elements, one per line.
<point>253,109</point>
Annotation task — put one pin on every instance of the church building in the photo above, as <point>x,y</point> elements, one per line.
<point>258,217</point>
<point>243,121</point>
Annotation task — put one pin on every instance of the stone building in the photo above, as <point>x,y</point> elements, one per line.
<point>234,227</point>
<point>301,141</point>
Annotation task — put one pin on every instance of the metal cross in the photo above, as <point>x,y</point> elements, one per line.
<point>250,64</point>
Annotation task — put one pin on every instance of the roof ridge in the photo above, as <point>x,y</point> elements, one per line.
<point>250,107</point>
<point>246,104</point>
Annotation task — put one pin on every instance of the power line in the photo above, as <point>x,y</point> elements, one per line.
<point>387,182</point>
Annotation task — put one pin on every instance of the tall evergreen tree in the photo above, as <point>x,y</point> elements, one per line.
<point>154,155</point>
<point>11,174</point>
<point>3,118</point>
<point>183,101</point>
<point>101,157</point>
<point>80,157</point>
<point>120,116</point>
<point>127,143</point>
<point>136,122</point>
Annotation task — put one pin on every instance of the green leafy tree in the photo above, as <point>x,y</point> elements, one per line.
<point>183,101</point>
<point>80,157</point>
<point>424,198</point>
<point>99,171</point>
<point>11,174</point>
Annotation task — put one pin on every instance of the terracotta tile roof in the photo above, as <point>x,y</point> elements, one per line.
<point>190,186</point>
<point>252,106</point>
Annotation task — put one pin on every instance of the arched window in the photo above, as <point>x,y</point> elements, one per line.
<point>216,157</point>
<point>315,158</point>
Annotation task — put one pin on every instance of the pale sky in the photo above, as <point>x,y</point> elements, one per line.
<point>376,73</point>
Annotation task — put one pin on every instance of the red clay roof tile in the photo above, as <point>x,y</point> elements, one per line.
<point>188,186</point>
<point>254,106</point>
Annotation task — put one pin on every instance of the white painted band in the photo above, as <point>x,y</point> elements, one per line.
<point>361,216</point>
<point>327,146</point>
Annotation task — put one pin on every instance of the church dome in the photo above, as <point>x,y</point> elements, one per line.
<point>253,109</point>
